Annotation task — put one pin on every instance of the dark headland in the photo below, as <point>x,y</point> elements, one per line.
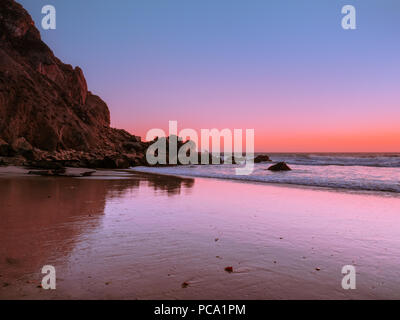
<point>47,114</point>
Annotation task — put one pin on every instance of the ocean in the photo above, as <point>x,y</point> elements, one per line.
<point>351,171</point>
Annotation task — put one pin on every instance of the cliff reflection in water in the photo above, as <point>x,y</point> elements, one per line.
<point>41,218</point>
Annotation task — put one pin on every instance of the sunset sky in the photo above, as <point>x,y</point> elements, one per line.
<point>285,67</point>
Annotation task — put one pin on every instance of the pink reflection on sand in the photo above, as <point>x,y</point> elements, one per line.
<point>133,238</point>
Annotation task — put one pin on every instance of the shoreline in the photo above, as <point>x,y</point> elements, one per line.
<point>283,184</point>
<point>71,172</point>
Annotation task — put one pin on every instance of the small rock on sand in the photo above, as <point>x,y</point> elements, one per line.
<point>12,261</point>
<point>229,269</point>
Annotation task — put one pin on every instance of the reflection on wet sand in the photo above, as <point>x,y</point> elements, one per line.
<point>171,185</point>
<point>127,236</point>
<point>42,217</point>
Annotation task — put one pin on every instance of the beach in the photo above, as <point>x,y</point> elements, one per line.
<point>199,150</point>
<point>130,235</point>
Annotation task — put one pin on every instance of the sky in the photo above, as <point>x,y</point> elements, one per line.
<point>285,68</point>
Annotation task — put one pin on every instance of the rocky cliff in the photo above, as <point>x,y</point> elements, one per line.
<point>46,110</point>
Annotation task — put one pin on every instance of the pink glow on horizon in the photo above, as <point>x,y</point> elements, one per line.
<point>359,140</point>
<point>317,115</point>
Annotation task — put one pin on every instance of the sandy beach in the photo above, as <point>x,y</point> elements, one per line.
<point>121,235</point>
<point>199,150</point>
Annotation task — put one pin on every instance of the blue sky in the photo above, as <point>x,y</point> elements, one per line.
<point>282,67</point>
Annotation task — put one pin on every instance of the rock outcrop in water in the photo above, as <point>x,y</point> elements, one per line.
<point>46,110</point>
<point>261,158</point>
<point>280,166</point>
<point>164,159</point>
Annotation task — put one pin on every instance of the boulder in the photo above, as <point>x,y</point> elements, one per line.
<point>122,163</point>
<point>5,149</point>
<point>109,162</point>
<point>70,172</point>
<point>45,173</point>
<point>280,166</point>
<point>239,160</point>
<point>13,161</point>
<point>23,147</point>
<point>47,165</point>
<point>261,158</point>
<point>132,146</point>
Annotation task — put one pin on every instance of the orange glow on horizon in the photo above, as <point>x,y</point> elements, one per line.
<point>357,140</point>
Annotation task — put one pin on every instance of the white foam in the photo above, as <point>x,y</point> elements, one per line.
<point>340,177</point>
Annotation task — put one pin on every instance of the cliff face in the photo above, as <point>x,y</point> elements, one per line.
<point>46,110</point>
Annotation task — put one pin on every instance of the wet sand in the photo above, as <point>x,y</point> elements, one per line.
<point>125,236</point>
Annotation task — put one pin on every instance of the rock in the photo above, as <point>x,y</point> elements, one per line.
<point>12,261</point>
<point>261,158</point>
<point>138,160</point>
<point>239,160</point>
<point>48,169</point>
<point>88,173</point>
<point>211,158</point>
<point>110,162</point>
<point>14,161</point>
<point>77,172</point>
<point>163,145</point>
<point>46,110</point>
<point>42,172</point>
<point>49,165</point>
<point>5,149</point>
<point>122,163</point>
<point>133,146</point>
<point>229,269</point>
<point>21,144</point>
<point>64,172</point>
<point>280,166</point>
<point>23,147</point>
